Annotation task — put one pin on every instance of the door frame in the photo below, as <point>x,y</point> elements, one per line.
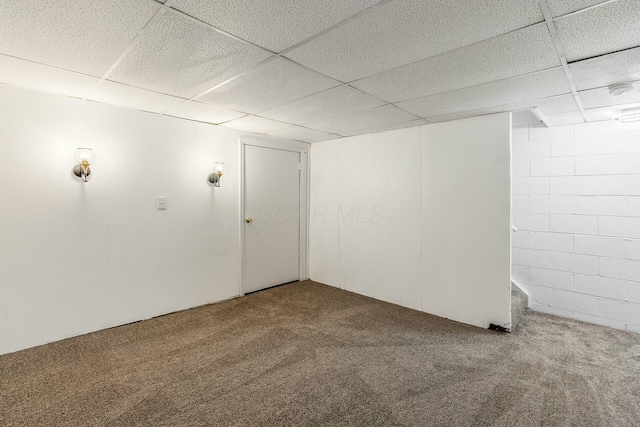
<point>285,145</point>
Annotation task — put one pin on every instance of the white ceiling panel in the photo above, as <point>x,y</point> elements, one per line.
<point>605,29</point>
<point>256,124</point>
<point>562,119</point>
<point>595,98</point>
<point>562,7</point>
<point>517,89</point>
<point>552,105</point>
<point>273,24</point>
<point>524,118</point>
<point>203,112</point>
<point>84,36</point>
<point>383,128</point>
<point>519,52</point>
<point>132,97</point>
<point>604,70</point>
<point>184,58</point>
<point>270,84</point>
<point>339,100</point>
<point>327,137</point>
<point>300,133</point>
<point>404,31</point>
<point>343,124</point>
<point>607,113</point>
<point>31,75</point>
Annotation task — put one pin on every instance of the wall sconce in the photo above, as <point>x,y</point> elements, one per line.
<point>214,178</point>
<point>84,157</point>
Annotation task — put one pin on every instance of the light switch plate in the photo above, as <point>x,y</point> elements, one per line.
<point>161,203</point>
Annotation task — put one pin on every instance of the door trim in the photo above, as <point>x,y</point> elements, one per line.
<point>303,231</point>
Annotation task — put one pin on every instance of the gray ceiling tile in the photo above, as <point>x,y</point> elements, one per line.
<point>300,133</point>
<point>404,31</point>
<point>132,97</point>
<point>604,70</point>
<point>516,89</point>
<point>85,36</point>
<point>342,124</point>
<point>203,112</point>
<point>271,84</point>
<point>563,119</point>
<point>600,30</point>
<point>607,113</point>
<point>595,98</point>
<point>562,7</point>
<point>184,58</point>
<point>31,75</point>
<point>386,127</point>
<point>256,124</point>
<point>327,137</point>
<point>273,24</point>
<point>339,100</point>
<point>519,52</point>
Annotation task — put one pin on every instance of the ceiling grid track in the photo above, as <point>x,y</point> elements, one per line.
<point>154,19</point>
<point>548,17</point>
<point>170,6</point>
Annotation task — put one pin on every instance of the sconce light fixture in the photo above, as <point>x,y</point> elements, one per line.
<point>84,157</point>
<point>214,178</point>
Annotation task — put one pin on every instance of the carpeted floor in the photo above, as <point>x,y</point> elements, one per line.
<point>307,354</point>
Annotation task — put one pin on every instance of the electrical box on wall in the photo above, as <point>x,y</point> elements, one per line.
<point>161,203</point>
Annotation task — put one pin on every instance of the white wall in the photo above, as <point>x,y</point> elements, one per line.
<point>576,204</point>
<point>76,258</point>
<point>418,217</point>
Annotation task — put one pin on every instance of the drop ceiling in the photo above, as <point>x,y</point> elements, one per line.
<point>313,70</point>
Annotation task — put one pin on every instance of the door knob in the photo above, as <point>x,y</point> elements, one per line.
<point>248,220</point>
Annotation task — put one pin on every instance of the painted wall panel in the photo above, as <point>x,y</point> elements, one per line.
<point>76,258</point>
<point>424,217</point>
<point>323,215</point>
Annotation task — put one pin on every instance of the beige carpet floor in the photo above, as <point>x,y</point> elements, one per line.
<point>306,354</point>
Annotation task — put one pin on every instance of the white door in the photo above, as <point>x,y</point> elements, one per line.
<point>272,212</point>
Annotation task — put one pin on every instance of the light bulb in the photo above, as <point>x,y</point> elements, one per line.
<point>219,166</point>
<point>85,155</point>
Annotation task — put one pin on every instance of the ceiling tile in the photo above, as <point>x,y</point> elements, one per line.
<point>516,89</point>
<point>562,119</point>
<point>339,100</point>
<point>273,24</point>
<point>87,36</point>
<point>607,113</point>
<point>342,124</point>
<point>327,137</point>
<point>256,124</point>
<point>383,128</point>
<point>300,133</point>
<point>519,52</point>
<point>562,7</point>
<point>595,98</point>
<point>605,29</point>
<point>132,97</point>
<point>31,75</point>
<point>524,118</point>
<point>203,112</point>
<point>551,105</point>
<point>404,31</point>
<point>181,57</point>
<point>270,84</point>
<point>604,70</point>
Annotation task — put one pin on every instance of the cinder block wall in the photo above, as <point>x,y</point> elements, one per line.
<point>576,203</point>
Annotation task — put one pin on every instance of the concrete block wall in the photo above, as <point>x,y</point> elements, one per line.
<point>576,204</point>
